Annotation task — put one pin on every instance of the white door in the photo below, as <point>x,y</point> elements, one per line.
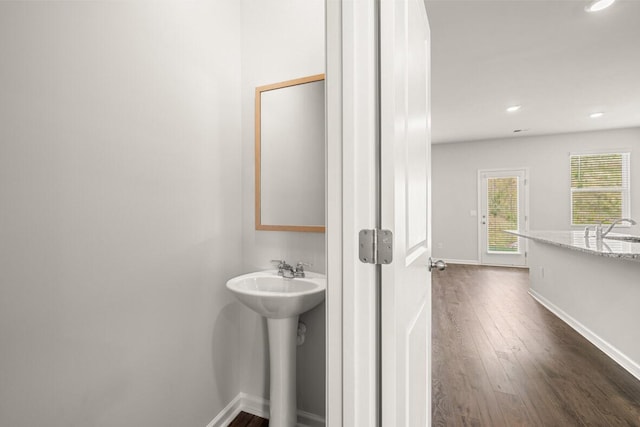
<point>405,200</point>
<point>377,82</point>
<point>503,206</point>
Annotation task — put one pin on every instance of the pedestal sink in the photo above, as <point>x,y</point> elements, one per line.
<point>281,301</point>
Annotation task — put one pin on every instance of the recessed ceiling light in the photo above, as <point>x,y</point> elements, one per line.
<point>596,115</point>
<point>598,5</point>
<point>513,108</point>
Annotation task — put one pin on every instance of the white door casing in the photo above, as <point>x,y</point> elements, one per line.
<point>352,197</point>
<point>490,253</point>
<point>406,210</point>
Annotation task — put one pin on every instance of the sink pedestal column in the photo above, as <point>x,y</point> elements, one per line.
<point>282,363</point>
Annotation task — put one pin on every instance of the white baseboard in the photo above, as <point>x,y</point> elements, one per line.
<point>258,406</point>
<point>307,419</point>
<point>224,417</point>
<point>505,265</point>
<point>476,262</point>
<point>461,261</point>
<point>620,358</point>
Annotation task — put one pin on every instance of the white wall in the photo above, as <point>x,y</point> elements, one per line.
<point>282,40</point>
<point>120,218</point>
<point>455,190</point>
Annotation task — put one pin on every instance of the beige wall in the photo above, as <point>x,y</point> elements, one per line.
<point>455,188</point>
<point>120,219</point>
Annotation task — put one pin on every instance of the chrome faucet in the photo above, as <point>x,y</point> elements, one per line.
<point>600,234</point>
<point>299,270</point>
<point>587,229</point>
<point>284,269</point>
<point>289,272</point>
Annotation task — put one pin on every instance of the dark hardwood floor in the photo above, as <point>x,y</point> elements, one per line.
<point>501,359</point>
<point>247,420</point>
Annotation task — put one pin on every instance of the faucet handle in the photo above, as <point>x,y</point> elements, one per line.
<point>586,230</point>
<point>299,270</point>
<point>599,229</point>
<point>280,265</point>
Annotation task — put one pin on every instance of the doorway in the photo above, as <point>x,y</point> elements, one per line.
<point>503,199</point>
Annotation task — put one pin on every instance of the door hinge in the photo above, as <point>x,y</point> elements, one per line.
<point>376,246</point>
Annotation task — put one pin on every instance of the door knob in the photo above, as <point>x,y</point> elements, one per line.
<point>438,265</point>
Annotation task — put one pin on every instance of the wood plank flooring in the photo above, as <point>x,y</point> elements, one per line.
<point>501,359</point>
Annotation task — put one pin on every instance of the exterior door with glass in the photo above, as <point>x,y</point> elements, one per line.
<point>503,206</point>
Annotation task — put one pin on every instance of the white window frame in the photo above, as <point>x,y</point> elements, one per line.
<point>626,190</point>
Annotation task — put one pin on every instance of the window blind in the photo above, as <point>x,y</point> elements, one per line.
<point>599,187</point>
<point>502,198</point>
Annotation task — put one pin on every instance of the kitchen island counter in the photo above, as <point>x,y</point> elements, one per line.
<point>593,285</point>
<point>575,240</point>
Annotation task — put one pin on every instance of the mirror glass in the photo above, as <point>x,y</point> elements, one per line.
<point>290,146</point>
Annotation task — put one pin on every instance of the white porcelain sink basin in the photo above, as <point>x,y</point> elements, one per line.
<point>274,297</point>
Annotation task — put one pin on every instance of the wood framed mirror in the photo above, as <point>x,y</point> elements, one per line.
<point>289,155</point>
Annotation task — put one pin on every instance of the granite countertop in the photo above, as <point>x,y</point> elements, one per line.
<point>575,240</point>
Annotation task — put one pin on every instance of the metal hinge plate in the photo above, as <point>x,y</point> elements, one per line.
<point>376,246</point>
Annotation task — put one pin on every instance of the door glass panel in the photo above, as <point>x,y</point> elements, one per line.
<point>502,204</point>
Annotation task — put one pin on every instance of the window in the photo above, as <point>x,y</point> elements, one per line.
<point>502,200</point>
<point>599,187</point>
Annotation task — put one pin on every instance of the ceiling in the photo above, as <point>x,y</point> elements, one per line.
<point>550,56</point>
